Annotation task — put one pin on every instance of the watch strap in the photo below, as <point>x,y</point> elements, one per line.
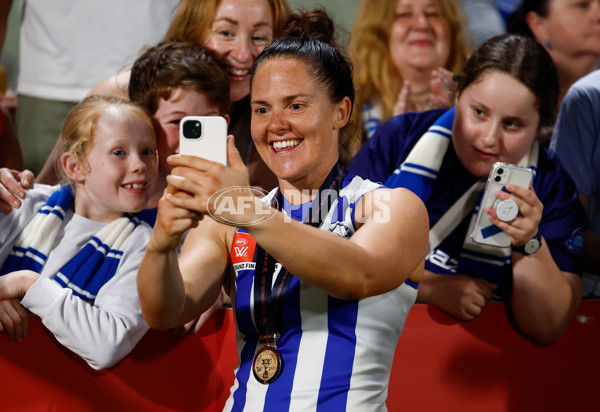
<point>531,247</point>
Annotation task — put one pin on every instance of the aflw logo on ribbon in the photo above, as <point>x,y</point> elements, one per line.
<point>243,248</point>
<point>240,251</point>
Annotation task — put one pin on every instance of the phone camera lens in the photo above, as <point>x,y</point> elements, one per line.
<point>497,178</point>
<point>192,129</point>
<point>500,171</point>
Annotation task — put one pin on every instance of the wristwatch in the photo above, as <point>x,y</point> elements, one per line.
<point>530,247</point>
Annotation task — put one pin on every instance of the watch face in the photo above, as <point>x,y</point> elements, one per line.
<point>532,246</point>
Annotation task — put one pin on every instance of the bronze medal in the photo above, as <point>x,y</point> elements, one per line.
<point>267,364</point>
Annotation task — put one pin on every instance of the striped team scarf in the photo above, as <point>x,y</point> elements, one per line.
<point>418,173</point>
<point>372,113</point>
<point>93,266</point>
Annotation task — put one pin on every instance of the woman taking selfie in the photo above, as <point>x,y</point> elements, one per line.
<point>316,263</point>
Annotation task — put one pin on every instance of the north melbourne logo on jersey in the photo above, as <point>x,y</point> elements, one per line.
<point>441,259</point>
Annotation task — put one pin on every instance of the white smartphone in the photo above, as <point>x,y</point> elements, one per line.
<point>501,174</point>
<point>204,136</point>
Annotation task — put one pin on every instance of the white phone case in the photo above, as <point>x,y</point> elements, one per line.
<point>204,136</point>
<point>501,174</point>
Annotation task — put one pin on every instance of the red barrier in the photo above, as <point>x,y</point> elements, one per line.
<point>440,364</point>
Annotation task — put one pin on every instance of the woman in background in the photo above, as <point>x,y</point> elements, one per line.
<point>237,31</point>
<point>569,30</point>
<point>404,53</point>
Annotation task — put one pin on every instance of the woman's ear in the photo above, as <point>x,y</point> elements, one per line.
<point>74,170</point>
<point>537,25</point>
<point>341,113</point>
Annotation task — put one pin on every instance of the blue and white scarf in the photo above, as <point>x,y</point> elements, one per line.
<point>418,173</point>
<point>93,266</point>
<point>372,113</point>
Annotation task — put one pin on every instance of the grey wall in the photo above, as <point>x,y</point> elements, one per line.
<point>342,11</point>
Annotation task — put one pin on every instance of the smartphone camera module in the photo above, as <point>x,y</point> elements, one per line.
<point>192,129</point>
<point>500,177</point>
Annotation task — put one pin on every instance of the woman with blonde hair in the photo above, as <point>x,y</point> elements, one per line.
<point>404,53</point>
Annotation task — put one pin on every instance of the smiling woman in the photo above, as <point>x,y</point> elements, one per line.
<point>315,263</point>
<point>405,52</point>
<point>507,93</point>
<point>237,31</point>
<point>289,113</point>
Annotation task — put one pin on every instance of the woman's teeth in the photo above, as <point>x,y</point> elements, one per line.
<point>285,143</point>
<point>237,72</point>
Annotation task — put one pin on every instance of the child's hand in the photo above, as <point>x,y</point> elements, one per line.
<point>525,226</point>
<point>16,284</point>
<point>14,320</point>
<point>462,297</point>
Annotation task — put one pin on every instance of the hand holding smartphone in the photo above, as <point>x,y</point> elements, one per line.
<point>205,137</point>
<point>485,232</point>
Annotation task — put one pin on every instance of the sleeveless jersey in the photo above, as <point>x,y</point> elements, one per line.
<point>337,354</point>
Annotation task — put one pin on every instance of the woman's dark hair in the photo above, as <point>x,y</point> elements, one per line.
<point>517,23</point>
<point>309,37</point>
<point>169,65</point>
<point>522,58</point>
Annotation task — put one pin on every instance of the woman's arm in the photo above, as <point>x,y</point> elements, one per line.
<point>380,256</point>
<point>10,156</point>
<point>174,289</point>
<point>12,182</point>
<point>387,247</point>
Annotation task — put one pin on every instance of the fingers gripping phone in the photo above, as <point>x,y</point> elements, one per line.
<point>485,232</point>
<point>205,137</point>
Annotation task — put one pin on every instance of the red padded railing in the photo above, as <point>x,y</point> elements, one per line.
<point>440,364</point>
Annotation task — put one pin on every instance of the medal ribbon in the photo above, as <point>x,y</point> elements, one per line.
<point>269,297</point>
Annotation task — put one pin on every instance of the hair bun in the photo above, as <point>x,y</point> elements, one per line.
<point>314,24</point>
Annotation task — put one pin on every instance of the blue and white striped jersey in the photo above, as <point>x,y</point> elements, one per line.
<point>337,354</point>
